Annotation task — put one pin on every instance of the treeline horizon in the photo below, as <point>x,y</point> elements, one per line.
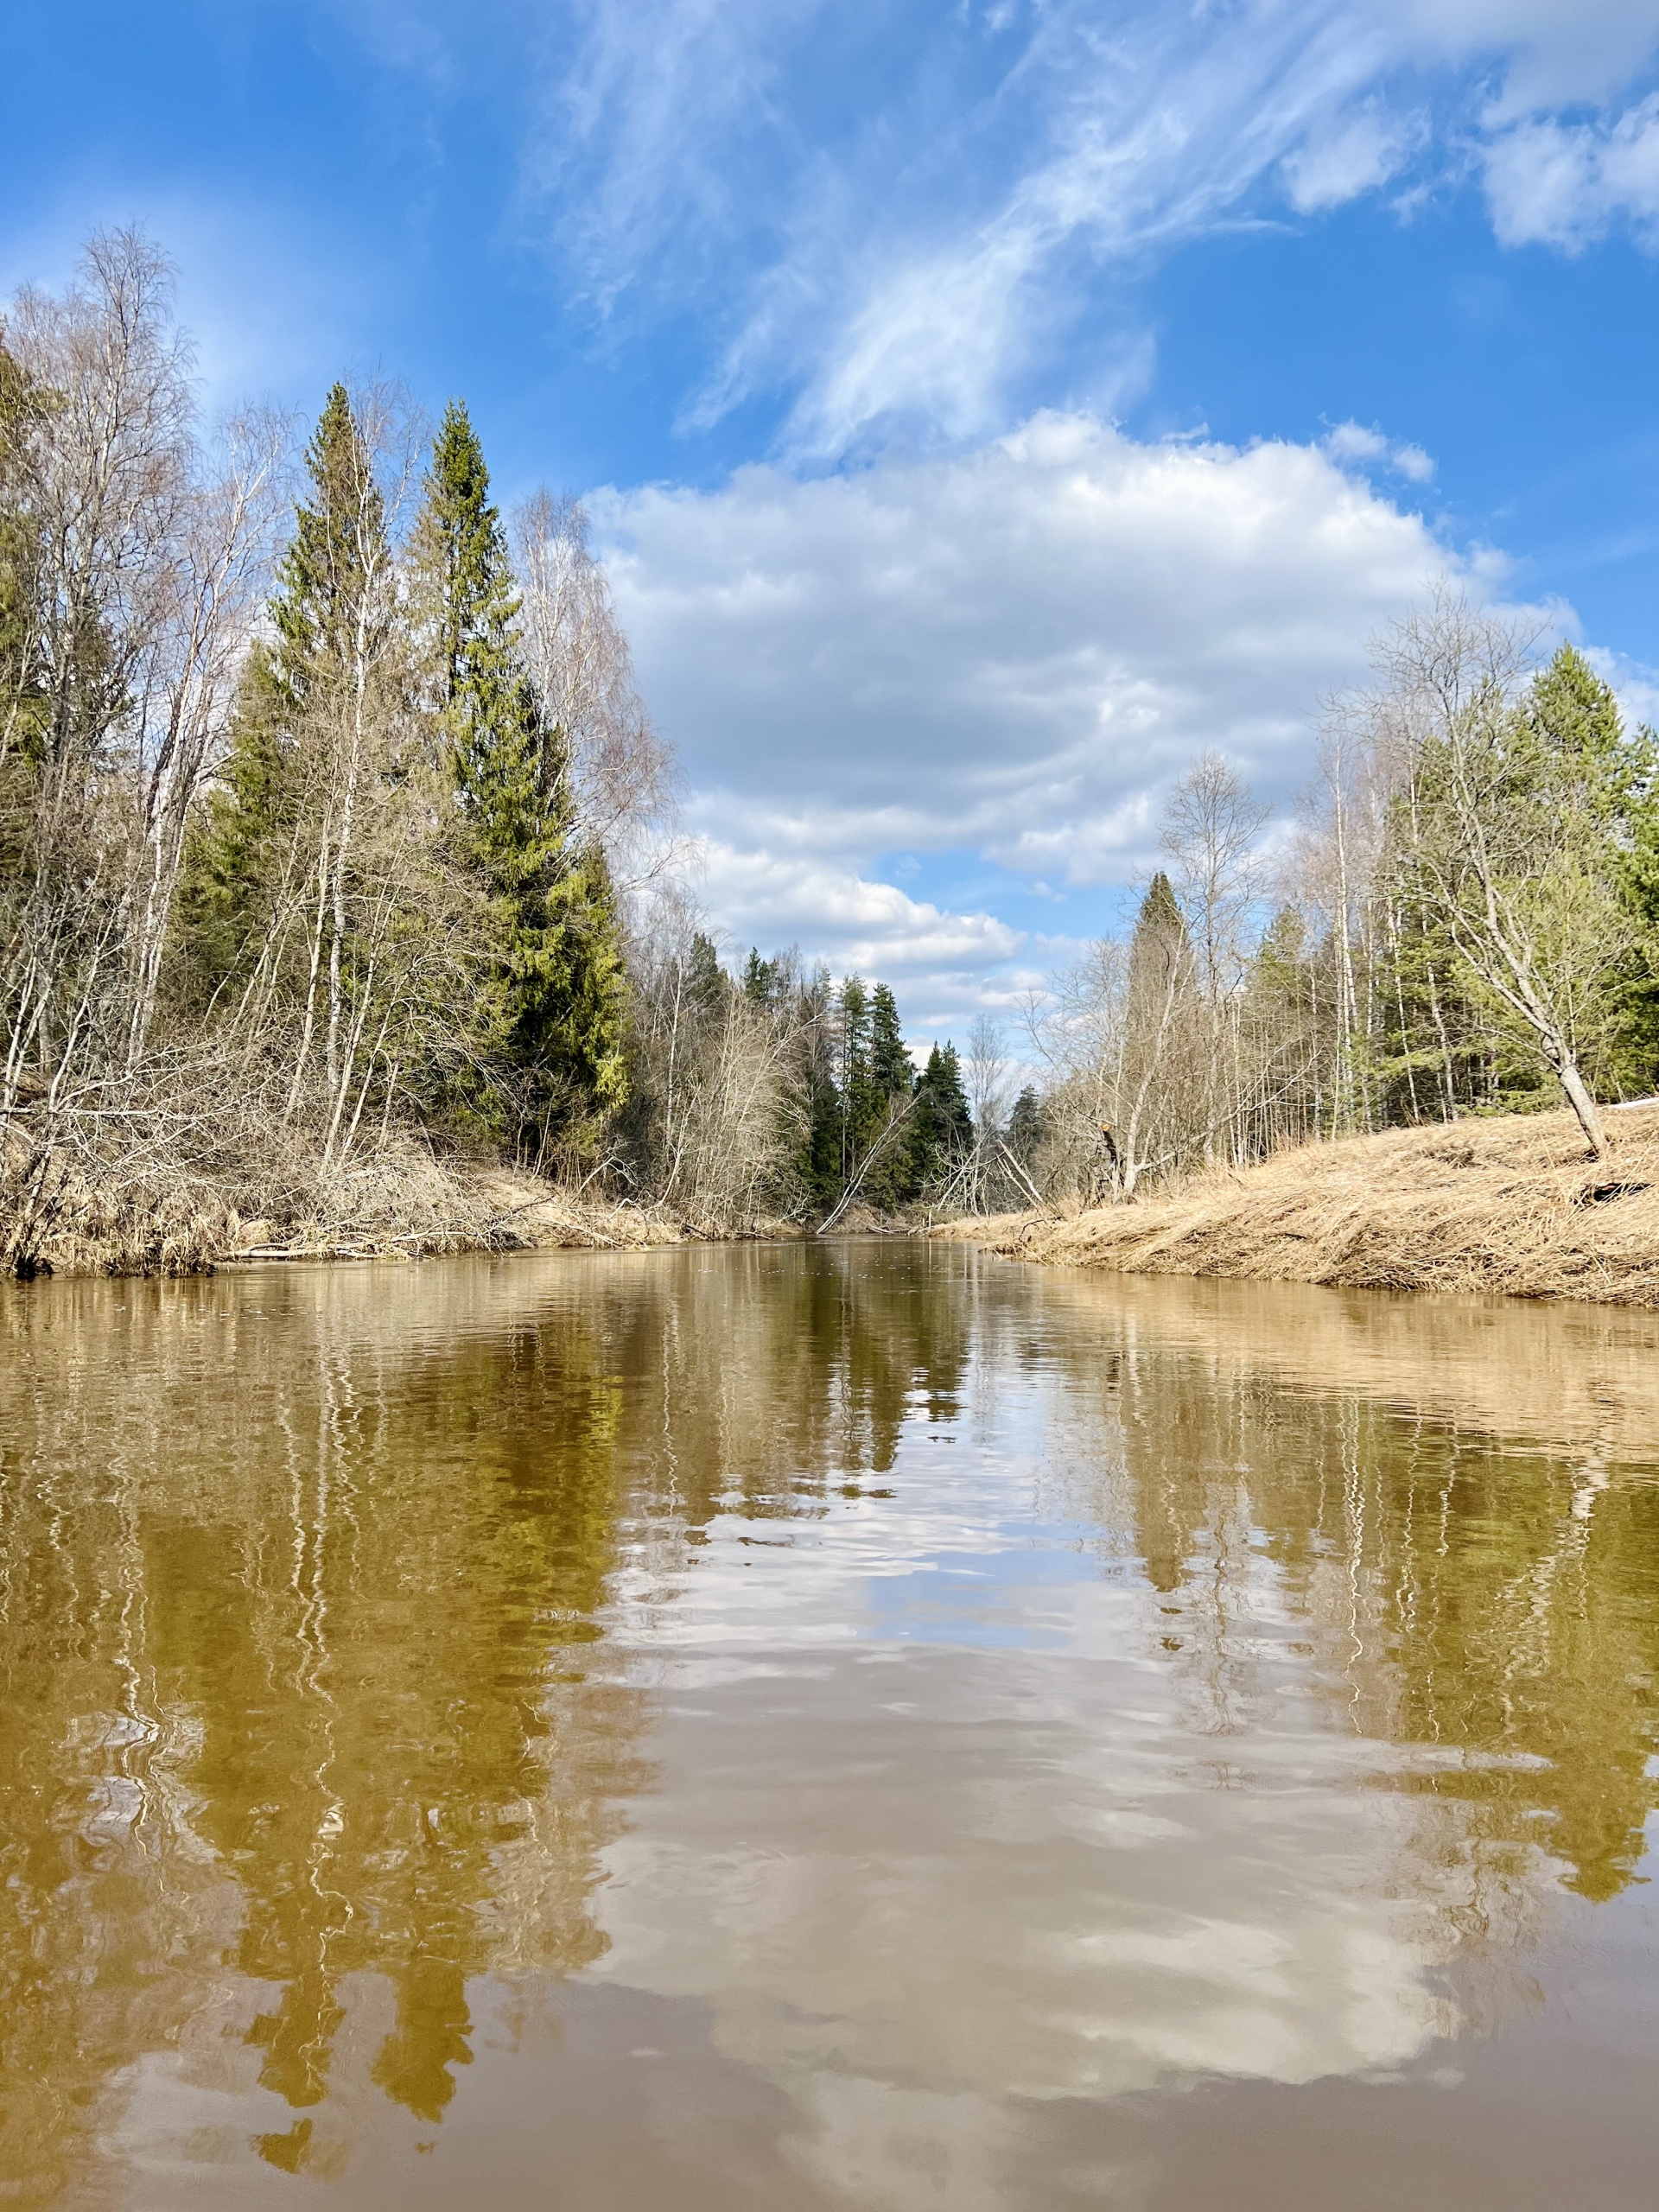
<point>331,820</point>
<point>337,843</point>
<point>1464,920</point>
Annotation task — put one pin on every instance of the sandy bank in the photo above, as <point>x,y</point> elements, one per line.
<point>1508,1204</point>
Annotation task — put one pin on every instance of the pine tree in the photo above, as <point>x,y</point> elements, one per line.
<point>1575,714</point>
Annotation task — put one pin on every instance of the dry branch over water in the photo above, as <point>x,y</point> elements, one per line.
<point>1509,1204</point>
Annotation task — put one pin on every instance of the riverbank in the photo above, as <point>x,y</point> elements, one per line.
<point>1508,1205</point>
<point>71,1213</point>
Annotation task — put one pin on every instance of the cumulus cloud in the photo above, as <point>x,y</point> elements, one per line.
<point>1009,650</point>
<point>1357,154</point>
<point>1551,53</point>
<point>1007,653</point>
<point>946,965</point>
<point>1566,185</point>
<point>1357,444</point>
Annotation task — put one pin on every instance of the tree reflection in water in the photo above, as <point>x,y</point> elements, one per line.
<point>316,1708</point>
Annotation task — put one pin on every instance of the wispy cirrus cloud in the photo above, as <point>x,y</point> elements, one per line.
<point>896,230</point>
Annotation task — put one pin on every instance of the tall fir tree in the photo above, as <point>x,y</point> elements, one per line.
<point>893,1073</point>
<point>464,600</point>
<point>329,618</point>
<point>857,1098</point>
<point>548,1026</point>
<point>1160,951</point>
<point>761,978</point>
<point>892,1080</point>
<point>1028,1126</point>
<point>942,1124</point>
<point>1575,712</point>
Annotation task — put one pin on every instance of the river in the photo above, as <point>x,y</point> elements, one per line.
<point>825,1728</point>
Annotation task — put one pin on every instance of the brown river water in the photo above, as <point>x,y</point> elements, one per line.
<point>851,1727</point>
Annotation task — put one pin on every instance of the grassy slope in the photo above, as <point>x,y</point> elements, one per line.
<point>1507,1204</point>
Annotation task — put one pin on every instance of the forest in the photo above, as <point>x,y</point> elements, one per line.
<point>338,856</point>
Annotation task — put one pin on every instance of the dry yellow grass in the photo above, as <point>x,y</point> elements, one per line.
<point>1507,1204</point>
<point>152,1218</point>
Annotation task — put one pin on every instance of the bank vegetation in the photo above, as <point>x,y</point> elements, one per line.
<point>1508,1205</point>
<point>1402,1042</point>
<point>341,906</point>
<point>338,869</point>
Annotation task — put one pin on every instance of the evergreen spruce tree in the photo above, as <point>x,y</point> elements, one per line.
<point>707,985</point>
<point>859,1106</point>
<point>761,978</point>
<point>328,618</point>
<point>550,1021</point>
<point>893,1073</point>
<point>950,1106</point>
<point>465,603</point>
<point>891,1181</point>
<point>1027,1126</point>
<point>1160,951</point>
<point>1574,714</point>
<point>325,601</point>
<point>941,1125</point>
<point>815,1170</point>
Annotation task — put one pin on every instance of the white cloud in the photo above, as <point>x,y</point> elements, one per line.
<point>1009,652</point>
<point>1564,185</point>
<point>911,259</point>
<point>945,964</point>
<point>1355,157</point>
<point>1357,443</point>
<point>1553,52</point>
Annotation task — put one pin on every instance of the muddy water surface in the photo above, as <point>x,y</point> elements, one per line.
<point>859,1727</point>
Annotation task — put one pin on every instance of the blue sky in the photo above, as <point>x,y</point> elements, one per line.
<point>985,407</point>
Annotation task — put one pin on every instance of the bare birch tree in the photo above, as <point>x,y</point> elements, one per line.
<point>1504,847</point>
<point>100,466</point>
<point>581,664</point>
